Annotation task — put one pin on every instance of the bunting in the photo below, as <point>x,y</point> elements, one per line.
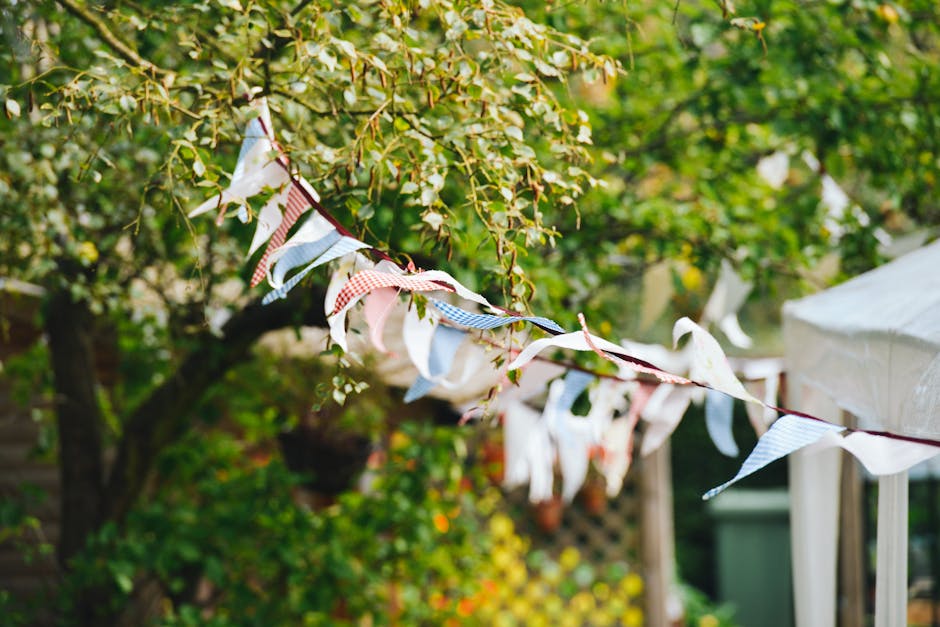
<point>535,440</point>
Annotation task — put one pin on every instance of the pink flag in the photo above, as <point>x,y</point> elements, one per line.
<point>369,280</point>
<point>297,204</point>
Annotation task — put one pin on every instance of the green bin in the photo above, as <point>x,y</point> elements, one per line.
<point>752,547</point>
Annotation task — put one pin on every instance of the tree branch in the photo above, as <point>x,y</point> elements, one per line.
<point>167,413</point>
<point>107,36</point>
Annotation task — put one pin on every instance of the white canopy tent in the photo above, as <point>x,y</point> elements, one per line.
<point>870,347</point>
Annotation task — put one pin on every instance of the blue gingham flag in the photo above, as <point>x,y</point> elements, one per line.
<point>790,433</point>
<point>444,347</point>
<point>489,321</point>
<point>719,412</point>
<point>300,254</point>
<point>575,383</point>
<point>343,246</point>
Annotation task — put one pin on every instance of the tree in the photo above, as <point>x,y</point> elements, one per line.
<point>457,132</point>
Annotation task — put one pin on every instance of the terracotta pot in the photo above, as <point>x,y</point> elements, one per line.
<point>494,461</point>
<point>548,514</point>
<point>594,497</point>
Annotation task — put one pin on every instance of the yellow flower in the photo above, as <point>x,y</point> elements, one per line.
<point>441,523</point>
<point>88,253</point>
<point>502,558</point>
<point>601,618</point>
<point>516,575</point>
<point>708,620</point>
<point>601,591</point>
<point>569,558</point>
<point>633,617</point>
<point>520,608</point>
<point>582,603</point>
<point>553,606</point>
<point>632,585</point>
<point>398,441</point>
<point>888,13</point>
<point>501,526</point>
<point>692,278</point>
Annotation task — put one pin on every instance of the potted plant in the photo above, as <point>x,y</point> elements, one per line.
<point>593,494</point>
<point>548,514</point>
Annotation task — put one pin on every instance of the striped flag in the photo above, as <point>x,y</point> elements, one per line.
<point>341,246</point>
<point>489,321</point>
<point>790,433</point>
<point>297,204</point>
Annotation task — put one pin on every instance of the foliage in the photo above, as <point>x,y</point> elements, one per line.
<point>547,154</point>
<point>232,522</point>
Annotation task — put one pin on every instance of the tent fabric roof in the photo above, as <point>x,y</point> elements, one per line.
<point>872,344</point>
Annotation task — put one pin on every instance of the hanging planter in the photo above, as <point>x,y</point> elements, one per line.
<point>493,458</point>
<point>548,514</point>
<point>594,496</point>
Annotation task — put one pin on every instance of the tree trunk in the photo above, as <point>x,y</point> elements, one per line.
<point>69,326</point>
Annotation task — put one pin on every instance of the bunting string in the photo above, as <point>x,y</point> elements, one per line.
<point>661,403</point>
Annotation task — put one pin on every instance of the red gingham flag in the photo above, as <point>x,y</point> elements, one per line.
<point>297,204</point>
<point>368,280</point>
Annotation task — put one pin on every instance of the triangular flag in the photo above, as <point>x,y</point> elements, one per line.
<point>663,413</point>
<point>790,433</point>
<point>709,363</point>
<point>297,204</point>
<point>376,309</point>
<point>269,218</point>
<point>519,421</point>
<point>576,382</point>
<point>719,413</point>
<point>489,321</point>
<point>881,455</point>
<point>443,348</point>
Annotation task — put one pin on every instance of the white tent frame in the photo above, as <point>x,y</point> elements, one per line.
<point>867,346</point>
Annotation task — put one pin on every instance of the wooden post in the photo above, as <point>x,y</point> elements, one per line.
<point>657,533</point>
<point>851,541</point>
<point>891,566</point>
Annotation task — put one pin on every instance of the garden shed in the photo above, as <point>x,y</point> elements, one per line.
<point>865,353</point>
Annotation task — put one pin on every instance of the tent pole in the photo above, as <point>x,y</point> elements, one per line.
<point>891,566</point>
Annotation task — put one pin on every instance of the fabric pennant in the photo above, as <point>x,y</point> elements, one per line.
<point>489,321</point>
<point>540,453</point>
<point>880,455</point>
<point>342,247</point>
<point>576,382</point>
<point>364,282</point>
<point>719,414</point>
<point>574,454</point>
<point>297,204</point>
<point>349,264</point>
<point>299,255</point>
<point>725,301</point>
<point>269,218</point>
<point>443,349</point>
<point>581,341</point>
<point>790,433</point>
<point>315,233</point>
<point>456,286</point>
<point>272,175</point>
<point>376,309</point>
<point>663,413</point>
<point>709,363</point>
<point>617,441</point>
<point>519,422</point>
<point>254,133</point>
